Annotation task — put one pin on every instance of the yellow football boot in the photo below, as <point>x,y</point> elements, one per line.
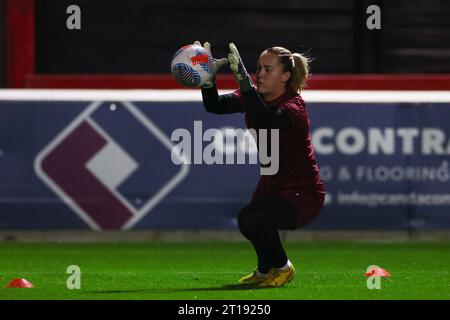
<point>278,278</point>
<point>252,278</point>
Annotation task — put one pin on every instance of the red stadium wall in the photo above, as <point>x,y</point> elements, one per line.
<point>316,82</point>
<point>19,42</point>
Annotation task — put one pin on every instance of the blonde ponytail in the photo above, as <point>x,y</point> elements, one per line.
<point>300,72</point>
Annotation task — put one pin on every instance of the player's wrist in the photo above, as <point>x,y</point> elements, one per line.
<point>246,84</point>
<point>209,84</point>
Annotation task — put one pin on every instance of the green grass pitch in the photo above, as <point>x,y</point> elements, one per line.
<point>210,270</point>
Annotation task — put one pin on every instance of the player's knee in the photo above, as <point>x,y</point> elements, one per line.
<point>246,220</point>
<point>250,222</point>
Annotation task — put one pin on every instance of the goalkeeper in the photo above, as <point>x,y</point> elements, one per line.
<point>293,196</point>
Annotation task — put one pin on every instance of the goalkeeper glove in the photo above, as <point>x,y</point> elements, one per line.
<point>216,65</point>
<point>238,69</point>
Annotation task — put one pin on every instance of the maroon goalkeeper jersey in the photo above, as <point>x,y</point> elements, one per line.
<point>298,171</point>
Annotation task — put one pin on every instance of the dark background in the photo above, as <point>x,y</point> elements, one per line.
<point>140,36</point>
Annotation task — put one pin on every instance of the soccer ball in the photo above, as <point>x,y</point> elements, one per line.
<point>192,66</point>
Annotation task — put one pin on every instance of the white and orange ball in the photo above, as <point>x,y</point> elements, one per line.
<point>192,66</point>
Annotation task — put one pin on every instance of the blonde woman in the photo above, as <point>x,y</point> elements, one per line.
<point>294,196</point>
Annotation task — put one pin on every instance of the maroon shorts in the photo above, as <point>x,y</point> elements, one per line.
<point>306,203</point>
